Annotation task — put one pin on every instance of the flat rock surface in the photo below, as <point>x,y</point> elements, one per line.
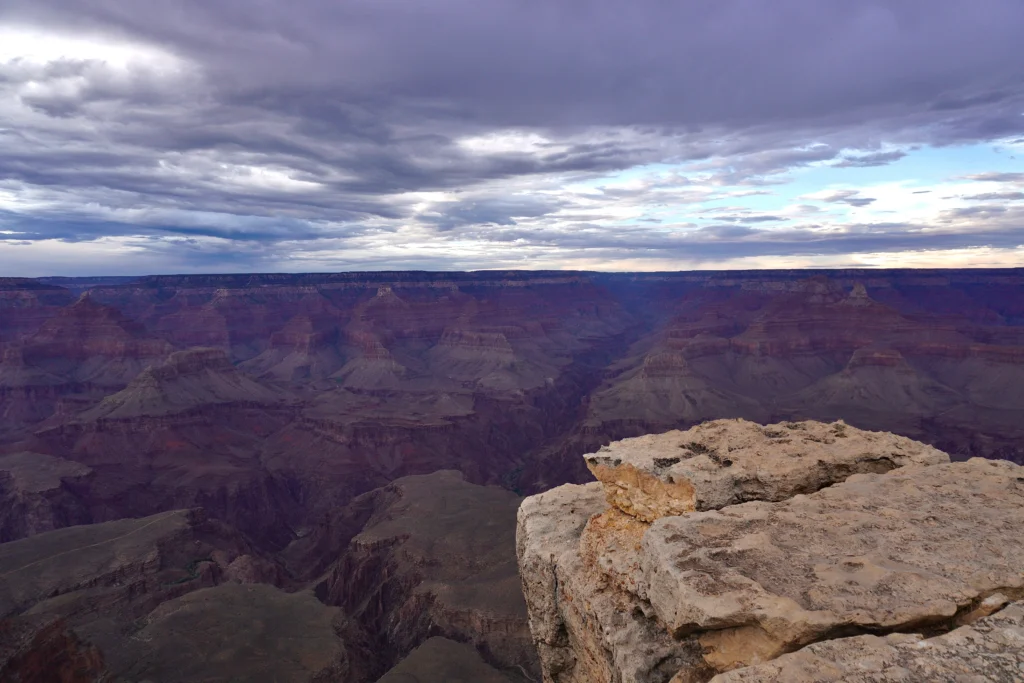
<point>36,472</point>
<point>236,632</point>
<point>725,462</point>
<point>913,549</point>
<point>990,650</point>
<point>439,660</point>
<point>48,564</point>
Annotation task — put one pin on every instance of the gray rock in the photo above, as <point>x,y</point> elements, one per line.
<point>908,550</point>
<point>586,630</point>
<point>726,462</point>
<point>922,545</point>
<point>990,650</point>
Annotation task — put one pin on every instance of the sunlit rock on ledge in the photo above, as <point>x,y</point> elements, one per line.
<point>818,532</point>
<point>726,462</point>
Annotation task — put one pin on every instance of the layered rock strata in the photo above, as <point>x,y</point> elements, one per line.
<point>660,572</point>
<point>127,565</point>
<point>187,380</point>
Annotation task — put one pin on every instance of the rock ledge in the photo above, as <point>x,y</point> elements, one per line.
<point>647,579</point>
<point>726,462</point>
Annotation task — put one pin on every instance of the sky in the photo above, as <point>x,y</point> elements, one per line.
<point>148,136</point>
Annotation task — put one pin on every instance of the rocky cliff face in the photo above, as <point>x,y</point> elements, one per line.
<point>37,494</point>
<point>882,353</point>
<point>731,545</point>
<point>292,394</point>
<point>435,557</point>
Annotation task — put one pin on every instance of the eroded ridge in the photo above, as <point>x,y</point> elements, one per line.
<point>920,546</point>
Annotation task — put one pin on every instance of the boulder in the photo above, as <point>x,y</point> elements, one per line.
<point>725,462</point>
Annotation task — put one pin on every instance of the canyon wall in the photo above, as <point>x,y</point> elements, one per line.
<point>297,411</point>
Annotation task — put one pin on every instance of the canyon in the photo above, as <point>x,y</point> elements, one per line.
<point>345,453</point>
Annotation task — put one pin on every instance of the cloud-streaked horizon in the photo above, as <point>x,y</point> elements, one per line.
<point>141,137</point>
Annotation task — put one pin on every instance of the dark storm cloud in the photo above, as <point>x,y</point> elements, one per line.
<point>589,61</point>
<point>960,230</point>
<point>492,211</point>
<point>723,232</point>
<point>307,121</point>
<point>241,229</point>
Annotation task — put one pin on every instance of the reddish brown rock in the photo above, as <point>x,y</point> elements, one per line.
<point>26,304</point>
<point>506,376</point>
<point>91,342</point>
<point>305,349</point>
<point>41,649</point>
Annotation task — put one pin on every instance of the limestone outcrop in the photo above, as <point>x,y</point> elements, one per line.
<point>678,571</point>
<point>725,462</point>
<point>586,630</point>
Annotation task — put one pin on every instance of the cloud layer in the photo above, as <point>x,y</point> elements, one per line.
<point>455,134</point>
